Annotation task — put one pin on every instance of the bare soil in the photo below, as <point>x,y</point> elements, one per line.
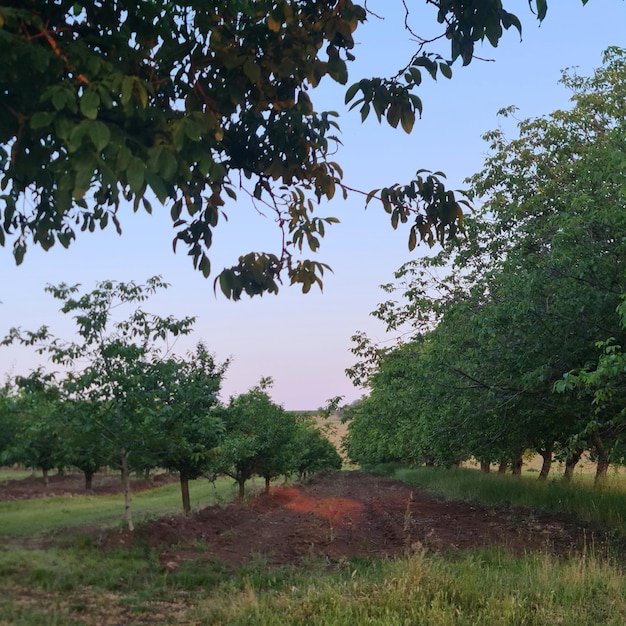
<point>333,517</point>
<point>74,485</point>
<point>342,515</point>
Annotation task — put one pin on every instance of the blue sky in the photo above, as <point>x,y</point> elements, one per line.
<point>303,341</point>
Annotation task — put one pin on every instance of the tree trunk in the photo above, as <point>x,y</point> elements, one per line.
<point>45,477</point>
<point>517,464</point>
<point>502,467</point>
<point>242,488</point>
<point>570,465</point>
<point>267,483</point>
<point>88,480</point>
<point>128,516</point>
<point>546,455</point>
<point>602,465</point>
<point>184,490</point>
<point>485,468</point>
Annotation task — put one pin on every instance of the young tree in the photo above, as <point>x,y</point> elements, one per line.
<point>9,419</point>
<point>119,354</point>
<point>89,446</point>
<point>39,441</point>
<point>258,438</point>
<point>313,450</point>
<point>107,102</point>
<point>188,428</point>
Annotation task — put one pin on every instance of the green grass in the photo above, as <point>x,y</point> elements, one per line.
<point>39,515</point>
<point>13,474</point>
<point>477,588</point>
<point>579,499</point>
<point>75,582</point>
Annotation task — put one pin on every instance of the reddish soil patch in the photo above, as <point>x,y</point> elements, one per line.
<point>73,485</point>
<point>343,515</point>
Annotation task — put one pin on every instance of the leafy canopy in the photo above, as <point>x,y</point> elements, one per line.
<point>194,102</point>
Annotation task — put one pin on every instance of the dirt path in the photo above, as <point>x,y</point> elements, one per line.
<point>343,515</point>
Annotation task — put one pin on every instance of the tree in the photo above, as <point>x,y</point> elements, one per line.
<point>9,419</point>
<point>313,451</point>
<point>184,417</point>
<point>89,445</point>
<point>529,296</point>
<point>605,386</point>
<point>120,358</point>
<point>180,101</point>
<point>39,441</point>
<point>259,438</point>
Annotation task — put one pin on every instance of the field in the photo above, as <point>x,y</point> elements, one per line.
<point>343,548</point>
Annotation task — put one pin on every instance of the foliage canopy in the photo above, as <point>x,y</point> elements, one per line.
<point>192,103</point>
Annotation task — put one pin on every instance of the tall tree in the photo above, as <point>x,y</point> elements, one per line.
<point>103,102</point>
<point>536,288</point>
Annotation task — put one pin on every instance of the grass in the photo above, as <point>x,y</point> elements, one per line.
<point>13,474</point>
<point>606,507</point>
<point>77,583</point>
<point>39,515</point>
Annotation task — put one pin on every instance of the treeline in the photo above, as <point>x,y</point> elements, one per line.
<point>127,402</point>
<point>515,336</point>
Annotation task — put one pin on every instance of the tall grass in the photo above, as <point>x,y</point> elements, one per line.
<point>606,507</point>
<point>477,588</point>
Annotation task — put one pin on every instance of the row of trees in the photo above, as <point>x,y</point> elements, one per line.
<point>126,401</point>
<point>515,338</point>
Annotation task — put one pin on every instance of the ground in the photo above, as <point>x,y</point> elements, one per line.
<point>74,485</point>
<point>332,517</point>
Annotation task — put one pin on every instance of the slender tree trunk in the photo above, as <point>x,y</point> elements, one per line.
<point>502,467</point>
<point>242,488</point>
<point>128,516</point>
<point>546,455</point>
<point>603,462</point>
<point>485,468</point>
<point>88,480</point>
<point>570,465</point>
<point>45,477</point>
<point>518,463</point>
<point>267,483</point>
<point>184,490</point>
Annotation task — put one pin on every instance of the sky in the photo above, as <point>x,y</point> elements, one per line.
<point>303,341</point>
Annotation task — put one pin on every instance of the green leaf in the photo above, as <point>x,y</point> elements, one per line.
<point>168,165</point>
<point>18,253</point>
<point>446,70</point>
<point>351,92</point>
<point>542,8</point>
<point>205,266</point>
<point>393,115</point>
<point>99,134</point>
<point>89,103</point>
<point>41,119</point>
<point>407,119</point>
<point>135,175</point>
<point>127,89</point>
